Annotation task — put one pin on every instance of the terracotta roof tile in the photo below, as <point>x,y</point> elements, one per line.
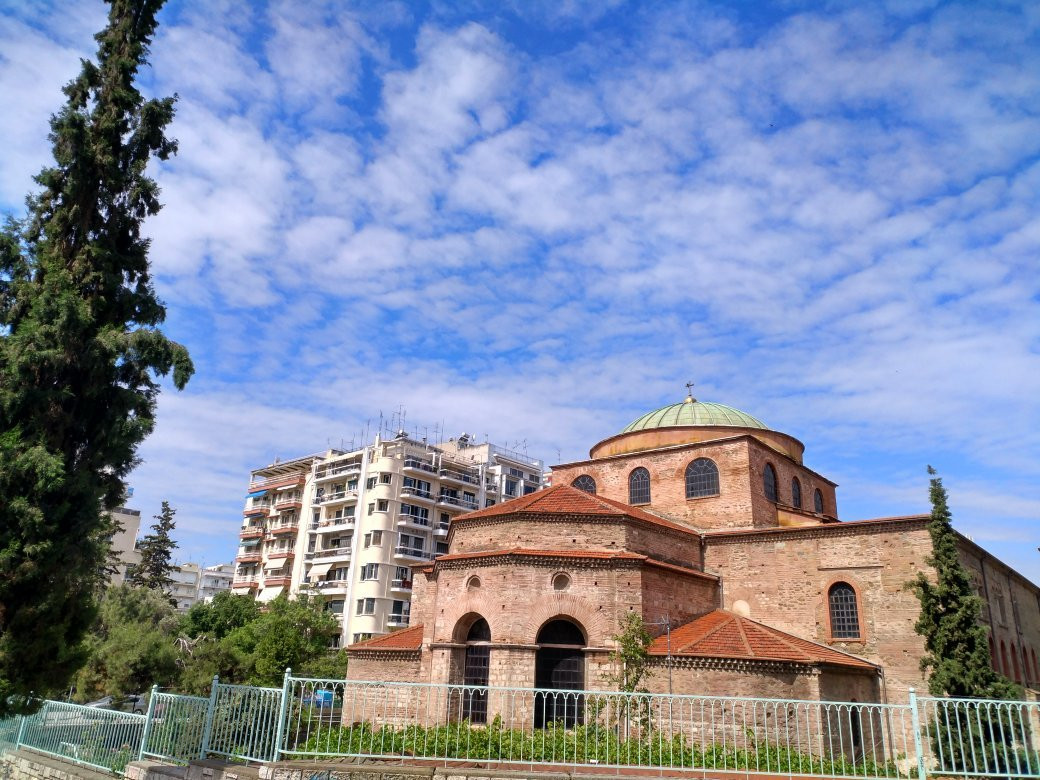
<point>405,639</point>
<point>567,500</point>
<point>723,634</point>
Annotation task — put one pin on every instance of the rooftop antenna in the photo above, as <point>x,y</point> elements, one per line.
<point>689,393</point>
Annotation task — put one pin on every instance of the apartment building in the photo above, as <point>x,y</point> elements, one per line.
<point>215,579</point>
<point>124,542</point>
<point>350,524</point>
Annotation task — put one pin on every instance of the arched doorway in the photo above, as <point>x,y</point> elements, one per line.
<point>475,671</point>
<point>560,666</point>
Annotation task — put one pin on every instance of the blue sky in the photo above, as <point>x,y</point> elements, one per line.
<point>537,220</point>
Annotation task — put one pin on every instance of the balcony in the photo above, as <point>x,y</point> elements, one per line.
<point>279,555</point>
<point>256,511</point>
<point>277,482</point>
<point>274,582</point>
<point>252,532</point>
<point>465,503</point>
<point>335,524</point>
<point>416,493</point>
<point>288,503</point>
<point>415,464</point>
<point>441,530</point>
<point>331,587</point>
<point>412,554</point>
<point>412,521</point>
<point>285,528</point>
<point>336,498</point>
<point>246,583</point>
<point>401,586</point>
<point>339,470</point>
<point>248,557</point>
<point>459,476</point>
<point>332,554</point>
<point>397,621</point>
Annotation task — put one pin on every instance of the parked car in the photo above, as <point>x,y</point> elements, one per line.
<point>133,702</point>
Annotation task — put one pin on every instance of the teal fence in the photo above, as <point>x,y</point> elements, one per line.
<point>514,728</point>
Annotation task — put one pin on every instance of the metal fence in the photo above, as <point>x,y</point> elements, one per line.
<point>105,739</point>
<point>512,728</point>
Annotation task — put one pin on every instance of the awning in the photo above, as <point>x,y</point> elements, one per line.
<point>275,565</point>
<point>269,594</point>
<point>249,542</point>
<point>256,494</point>
<point>319,570</point>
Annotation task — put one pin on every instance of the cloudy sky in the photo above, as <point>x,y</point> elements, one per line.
<point>537,220</point>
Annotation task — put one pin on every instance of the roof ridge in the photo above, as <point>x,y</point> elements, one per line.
<point>780,636</point>
<point>729,618</point>
<point>743,636</point>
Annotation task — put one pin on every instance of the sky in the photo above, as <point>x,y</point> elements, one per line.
<point>535,221</point>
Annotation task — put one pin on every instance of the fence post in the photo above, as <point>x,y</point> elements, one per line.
<point>21,732</point>
<point>282,714</point>
<point>148,722</point>
<point>915,721</point>
<point>208,730</point>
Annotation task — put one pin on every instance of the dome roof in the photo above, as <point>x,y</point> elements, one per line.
<point>692,412</point>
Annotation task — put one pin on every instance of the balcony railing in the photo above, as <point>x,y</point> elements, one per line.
<point>397,620</point>
<point>414,520</point>
<point>335,524</point>
<point>248,557</point>
<point>414,492</point>
<point>458,476</point>
<point>285,528</point>
<point>401,585</point>
<point>340,495</point>
<point>332,552</point>
<point>334,471</point>
<point>330,584</point>
<point>422,465</point>
<point>465,503</point>
<point>412,552</point>
<point>252,532</point>
<point>245,582</point>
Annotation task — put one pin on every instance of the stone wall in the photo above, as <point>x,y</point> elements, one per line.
<point>782,578</point>
<point>385,666</point>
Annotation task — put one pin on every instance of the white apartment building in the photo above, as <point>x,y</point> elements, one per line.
<point>350,525</point>
<point>215,579</point>
<point>124,542</point>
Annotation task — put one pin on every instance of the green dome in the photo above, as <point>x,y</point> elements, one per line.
<point>691,412</point>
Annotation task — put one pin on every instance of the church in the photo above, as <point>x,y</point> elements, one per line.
<point>708,524</point>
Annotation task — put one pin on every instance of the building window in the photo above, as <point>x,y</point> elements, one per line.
<point>362,636</point>
<point>796,493</point>
<point>844,611</point>
<point>368,540</point>
<point>371,508</point>
<point>366,606</point>
<point>335,607</point>
<point>370,571</point>
<point>769,482</point>
<point>511,486</point>
<point>702,478</point>
<point>586,483</point>
<point>377,538</point>
<point>370,483</point>
<point>817,500</point>
<point>639,486</point>
<point>384,479</point>
<point>382,505</point>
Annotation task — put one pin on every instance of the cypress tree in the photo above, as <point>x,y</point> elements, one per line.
<point>80,352</point>
<point>957,657</point>
<point>153,572</point>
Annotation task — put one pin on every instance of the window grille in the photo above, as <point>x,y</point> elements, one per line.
<point>769,482</point>
<point>702,478</point>
<point>586,483</point>
<point>844,611</point>
<point>796,493</point>
<point>639,486</point>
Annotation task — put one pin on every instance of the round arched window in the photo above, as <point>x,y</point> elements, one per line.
<point>586,483</point>
<point>702,478</point>
<point>769,482</point>
<point>473,583</point>
<point>817,500</point>
<point>561,581</point>
<point>639,486</point>
<point>844,611</point>
<point>796,493</point>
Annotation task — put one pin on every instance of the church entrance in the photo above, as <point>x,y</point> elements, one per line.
<point>560,666</point>
<point>475,672</point>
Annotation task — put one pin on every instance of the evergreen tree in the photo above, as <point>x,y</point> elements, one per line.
<point>80,350</point>
<point>156,549</point>
<point>957,656</point>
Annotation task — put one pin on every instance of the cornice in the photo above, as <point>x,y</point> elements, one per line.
<point>827,530</point>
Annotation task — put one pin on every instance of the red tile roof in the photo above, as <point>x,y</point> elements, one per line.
<point>723,634</point>
<point>567,500</point>
<point>403,640</point>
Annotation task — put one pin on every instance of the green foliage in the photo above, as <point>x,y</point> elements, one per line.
<point>153,572</point>
<point>595,743</point>
<point>218,618</point>
<point>957,656</point>
<point>632,656</point>
<point>131,645</point>
<point>80,349</point>
<point>329,666</point>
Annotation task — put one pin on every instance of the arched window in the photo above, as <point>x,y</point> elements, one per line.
<point>769,482</point>
<point>586,483</point>
<point>817,500</point>
<point>844,611</point>
<point>702,478</point>
<point>560,667</point>
<point>639,486</point>
<point>796,493</point>
<point>475,672</point>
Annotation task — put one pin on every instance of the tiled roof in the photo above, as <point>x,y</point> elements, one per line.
<point>723,634</point>
<point>567,500</point>
<point>405,639</point>
<point>603,555</point>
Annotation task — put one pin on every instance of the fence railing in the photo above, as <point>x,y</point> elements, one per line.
<point>514,728</point>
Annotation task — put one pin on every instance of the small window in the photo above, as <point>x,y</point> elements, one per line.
<point>370,483</point>
<point>334,607</point>
<point>769,482</point>
<point>377,538</point>
<point>371,508</point>
<point>639,486</point>
<point>473,583</point>
<point>384,479</point>
<point>370,571</point>
<point>366,606</point>
<point>368,540</point>
<point>796,493</point>
<point>511,486</point>
<point>586,483</point>
<point>561,581</point>
<point>844,611</point>
<point>383,505</point>
<point>817,500</point>
<point>702,478</point>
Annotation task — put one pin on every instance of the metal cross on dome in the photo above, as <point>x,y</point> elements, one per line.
<point>689,391</point>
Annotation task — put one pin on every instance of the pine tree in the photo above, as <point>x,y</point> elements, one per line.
<point>156,549</point>
<point>957,657</point>
<point>80,350</point>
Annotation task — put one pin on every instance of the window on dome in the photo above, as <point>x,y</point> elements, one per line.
<point>639,486</point>
<point>769,482</point>
<point>817,500</point>
<point>702,478</point>
<point>844,611</point>
<point>586,483</point>
<point>796,493</point>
